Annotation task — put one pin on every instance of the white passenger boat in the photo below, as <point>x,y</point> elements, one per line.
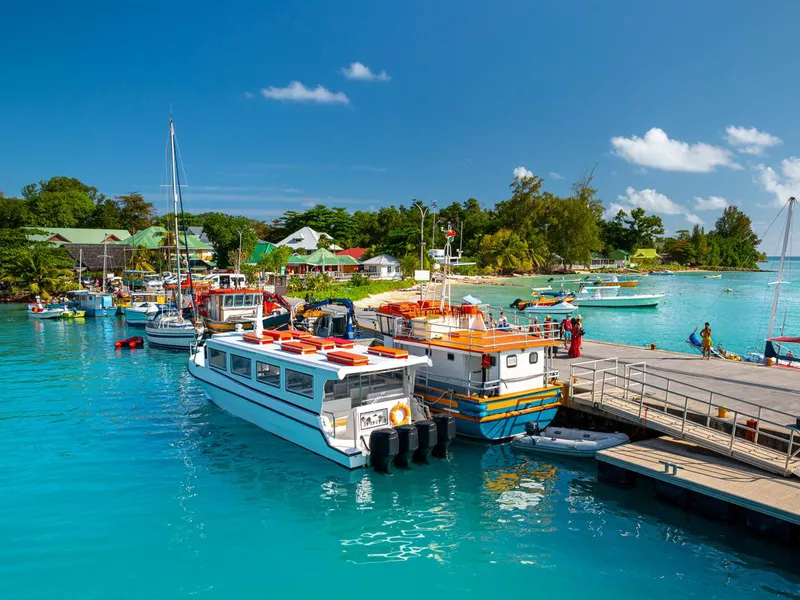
<point>559,308</point>
<point>45,312</point>
<point>568,442</point>
<point>633,301</point>
<point>144,306</point>
<point>347,403</point>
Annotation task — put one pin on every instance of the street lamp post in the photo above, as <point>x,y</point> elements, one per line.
<point>422,212</point>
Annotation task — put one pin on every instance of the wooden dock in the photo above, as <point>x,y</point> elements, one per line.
<point>702,472</point>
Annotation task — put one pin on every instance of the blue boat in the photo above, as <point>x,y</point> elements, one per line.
<point>95,304</point>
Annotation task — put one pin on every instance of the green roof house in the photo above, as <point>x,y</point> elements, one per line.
<point>620,258</point>
<point>59,236</point>
<point>262,249</point>
<point>645,255</point>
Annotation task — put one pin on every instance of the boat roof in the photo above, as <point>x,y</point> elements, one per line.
<point>317,360</point>
<point>483,342</point>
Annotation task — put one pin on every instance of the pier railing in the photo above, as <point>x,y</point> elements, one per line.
<point>744,430</point>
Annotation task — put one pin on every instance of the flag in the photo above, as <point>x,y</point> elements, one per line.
<point>450,234</point>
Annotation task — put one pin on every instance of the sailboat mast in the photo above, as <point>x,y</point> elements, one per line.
<point>175,203</point>
<point>103,283</point>
<point>786,233</point>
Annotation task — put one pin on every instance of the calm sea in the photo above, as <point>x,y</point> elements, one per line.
<point>739,319</point>
<point>119,480</point>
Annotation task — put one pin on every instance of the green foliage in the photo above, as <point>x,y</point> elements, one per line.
<point>135,212</point>
<point>41,270</point>
<point>505,252</point>
<point>359,280</point>
<point>629,232</point>
<point>223,232</point>
<point>60,202</point>
<point>274,260</point>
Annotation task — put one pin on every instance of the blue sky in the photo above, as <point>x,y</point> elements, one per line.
<point>673,102</point>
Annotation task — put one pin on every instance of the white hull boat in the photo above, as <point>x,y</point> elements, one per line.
<point>172,331</point>
<point>568,442</point>
<point>137,316</point>
<point>635,301</point>
<point>559,308</point>
<point>340,401</point>
<point>46,313</point>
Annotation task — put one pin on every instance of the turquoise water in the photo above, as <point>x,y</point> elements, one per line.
<point>118,480</point>
<point>739,320</point>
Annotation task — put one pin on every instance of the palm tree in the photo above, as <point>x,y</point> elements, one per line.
<point>506,251</point>
<point>41,271</point>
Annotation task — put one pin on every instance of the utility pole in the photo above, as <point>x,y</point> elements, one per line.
<point>422,212</point>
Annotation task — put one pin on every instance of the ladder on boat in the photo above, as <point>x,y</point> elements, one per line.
<point>745,431</point>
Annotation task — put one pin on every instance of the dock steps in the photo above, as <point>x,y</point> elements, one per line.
<point>749,437</point>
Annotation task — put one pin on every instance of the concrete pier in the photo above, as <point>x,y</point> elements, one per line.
<point>706,483</point>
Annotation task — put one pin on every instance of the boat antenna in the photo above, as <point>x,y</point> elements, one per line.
<point>776,297</point>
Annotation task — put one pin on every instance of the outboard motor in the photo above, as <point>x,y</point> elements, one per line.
<point>384,444</point>
<point>408,442</point>
<point>532,428</point>
<point>427,438</point>
<point>445,433</point>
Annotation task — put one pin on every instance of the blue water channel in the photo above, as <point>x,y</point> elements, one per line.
<point>119,480</point>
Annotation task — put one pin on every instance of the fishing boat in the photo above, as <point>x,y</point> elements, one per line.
<point>143,306</point>
<point>71,313</point>
<point>615,281</point>
<point>226,309</point>
<point>491,379</point>
<point>45,312</point>
<point>717,276</point>
<point>567,442</point>
<point>170,328</point>
<point>633,301</point>
<point>559,308</point>
<point>94,304</point>
<point>349,404</point>
<point>542,299</point>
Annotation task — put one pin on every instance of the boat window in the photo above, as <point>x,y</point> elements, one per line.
<point>300,383</point>
<point>363,389</point>
<point>248,300</point>
<point>217,359</point>
<point>269,374</point>
<point>451,356</point>
<point>533,358</point>
<point>239,300</point>
<point>228,300</point>
<point>240,365</point>
<point>511,361</point>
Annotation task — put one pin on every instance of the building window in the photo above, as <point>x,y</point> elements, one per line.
<point>511,361</point>
<point>269,374</point>
<point>240,365</point>
<point>300,383</point>
<point>533,358</point>
<point>217,359</point>
<point>451,356</point>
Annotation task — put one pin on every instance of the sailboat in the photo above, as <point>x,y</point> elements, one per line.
<point>169,328</point>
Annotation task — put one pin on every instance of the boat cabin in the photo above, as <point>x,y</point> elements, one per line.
<point>93,301</point>
<point>233,305</point>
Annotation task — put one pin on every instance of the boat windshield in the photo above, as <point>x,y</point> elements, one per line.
<point>358,389</point>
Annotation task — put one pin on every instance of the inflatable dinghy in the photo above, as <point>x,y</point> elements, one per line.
<point>568,442</point>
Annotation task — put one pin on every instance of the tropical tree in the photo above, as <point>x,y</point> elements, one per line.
<point>61,202</point>
<point>42,270</point>
<point>135,212</point>
<point>228,234</point>
<point>275,259</point>
<point>505,252</point>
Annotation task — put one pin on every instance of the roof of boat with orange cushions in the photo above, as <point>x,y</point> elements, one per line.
<point>484,342</point>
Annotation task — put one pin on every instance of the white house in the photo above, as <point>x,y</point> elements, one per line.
<point>383,266</point>
<point>306,239</point>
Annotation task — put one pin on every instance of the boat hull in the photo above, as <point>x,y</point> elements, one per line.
<point>568,446</point>
<point>620,302</point>
<point>46,314</point>
<point>295,424</point>
<point>172,338</point>
<point>137,318</point>
<point>101,312</point>
<point>493,419</point>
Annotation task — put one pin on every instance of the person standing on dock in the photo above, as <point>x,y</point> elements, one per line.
<point>576,340</point>
<point>566,331</point>
<point>707,342</point>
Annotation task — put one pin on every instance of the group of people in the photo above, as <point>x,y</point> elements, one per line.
<point>570,330</point>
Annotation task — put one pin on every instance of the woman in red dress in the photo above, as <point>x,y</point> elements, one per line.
<point>575,341</point>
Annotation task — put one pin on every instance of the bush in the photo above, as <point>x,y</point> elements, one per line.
<point>358,280</point>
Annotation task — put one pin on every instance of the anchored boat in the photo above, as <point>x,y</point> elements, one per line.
<point>633,301</point>
<point>568,442</point>
<point>347,403</point>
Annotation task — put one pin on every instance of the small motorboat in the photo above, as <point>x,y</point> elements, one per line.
<point>662,272</point>
<point>559,308</point>
<point>717,276</point>
<point>567,442</point>
<point>633,301</point>
<point>72,313</point>
<point>45,312</point>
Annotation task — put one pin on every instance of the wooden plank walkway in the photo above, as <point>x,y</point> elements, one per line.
<point>711,475</point>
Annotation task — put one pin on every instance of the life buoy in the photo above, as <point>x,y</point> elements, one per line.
<point>403,418</point>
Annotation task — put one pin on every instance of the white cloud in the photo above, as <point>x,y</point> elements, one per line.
<point>750,140</point>
<point>781,185</point>
<point>554,175</point>
<point>651,201</point>
<point>710,203</point>
<point>249,95</point>
<point>612,210</point>
<point>522,173</point>
<point>694,219</point>
<point>361,72</point>
<point>297,92</point>
<point>658,151</point>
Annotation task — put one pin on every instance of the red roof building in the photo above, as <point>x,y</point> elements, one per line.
<point>356,253</point>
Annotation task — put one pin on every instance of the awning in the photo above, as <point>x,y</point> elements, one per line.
<point>785,339</point>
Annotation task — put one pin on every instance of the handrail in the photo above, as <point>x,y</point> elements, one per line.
<point>665,399</point>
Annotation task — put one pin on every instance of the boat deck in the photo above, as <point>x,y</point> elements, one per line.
<point>480,342</point>
<point>700,470</point>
